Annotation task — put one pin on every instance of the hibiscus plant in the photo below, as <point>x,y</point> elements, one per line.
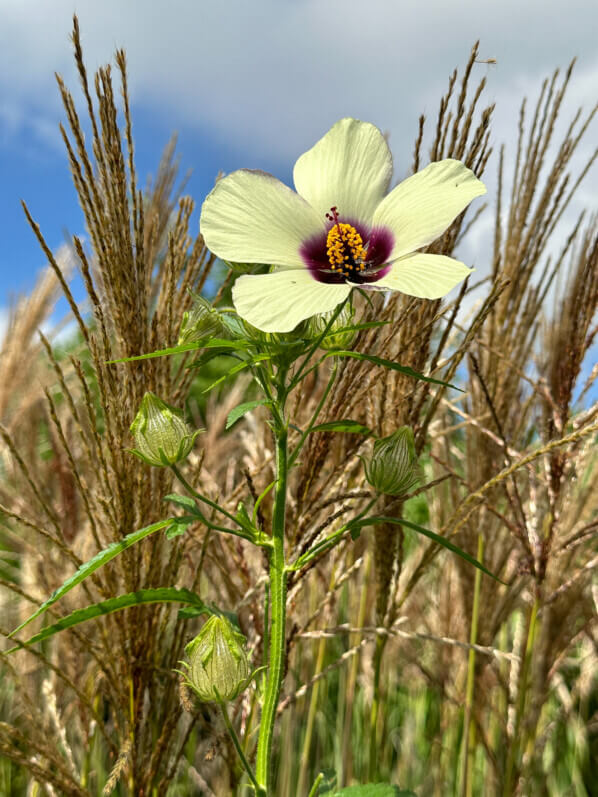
<point>341,230</point>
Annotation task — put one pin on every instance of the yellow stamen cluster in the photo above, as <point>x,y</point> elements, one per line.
<point>345,249</point>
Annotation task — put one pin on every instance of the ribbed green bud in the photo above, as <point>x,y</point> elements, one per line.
<point>200,322</point>
<point>218,668</point>
<point>392,468</point>
<point>318,323</point>
<point>161,435</point>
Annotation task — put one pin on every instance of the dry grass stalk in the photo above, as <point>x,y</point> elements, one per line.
<point>510,460</point>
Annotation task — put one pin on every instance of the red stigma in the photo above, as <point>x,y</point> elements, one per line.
<point>333,216</point>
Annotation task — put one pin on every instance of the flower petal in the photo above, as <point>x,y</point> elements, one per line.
<point>251,217</point>
<point>350,167</point>
<point>426,276</point>
<point>420,208</point>
<point>277,302</point>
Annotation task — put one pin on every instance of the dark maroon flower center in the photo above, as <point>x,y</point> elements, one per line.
<point>348,251</point>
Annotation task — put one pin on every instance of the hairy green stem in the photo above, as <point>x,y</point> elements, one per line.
<point>278,593</point>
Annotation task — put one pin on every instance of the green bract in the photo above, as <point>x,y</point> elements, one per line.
<point>218,669</point>
<point>200,322</point>
<point>161,435</point>
<point>392,468</point>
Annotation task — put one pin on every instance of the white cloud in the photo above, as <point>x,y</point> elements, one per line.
<point>270,76</point>
<point>3,323</point>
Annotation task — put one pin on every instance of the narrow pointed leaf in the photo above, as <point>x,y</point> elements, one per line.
<point>373,790</point>
<point>142,596</point>
<point>373,521</point>
<point>212,343</point>
<point>236,368</point>
<point>392,366</point>
<point>244,520</point>
<point>100,559</point>
<point>242,409</point>
<point>184,501</point>
<point>210,354</point>
<point>352,427</point>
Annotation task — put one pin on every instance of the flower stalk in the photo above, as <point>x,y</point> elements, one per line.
<point>238,747</point>
<point>277,604</point>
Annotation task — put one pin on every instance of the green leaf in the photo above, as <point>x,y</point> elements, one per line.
<point>183,501</point>
<point>373,521</point>
<point>404,369</point>
<point>236,368</point>
<point>353,427</point>
<point>242,517</point>
<point>246,523</point>
<point>92,565</point>
<point>240,410</point>
<point>373,790</point>
<point>179,526</point>
<point>142,596</point>
<point>259,500</point>
<point>208,355</point>
<point>212,343</point>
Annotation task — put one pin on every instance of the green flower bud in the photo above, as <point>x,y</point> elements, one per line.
<point>200,322</point>
<point>392,468</point>
<point>218,668</point>
<point>161,434</point>
<point>318,323</point>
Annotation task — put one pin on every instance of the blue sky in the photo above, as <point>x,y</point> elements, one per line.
<point>254,84</point>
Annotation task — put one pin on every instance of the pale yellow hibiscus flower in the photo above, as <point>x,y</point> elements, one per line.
<point>338,230</point>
